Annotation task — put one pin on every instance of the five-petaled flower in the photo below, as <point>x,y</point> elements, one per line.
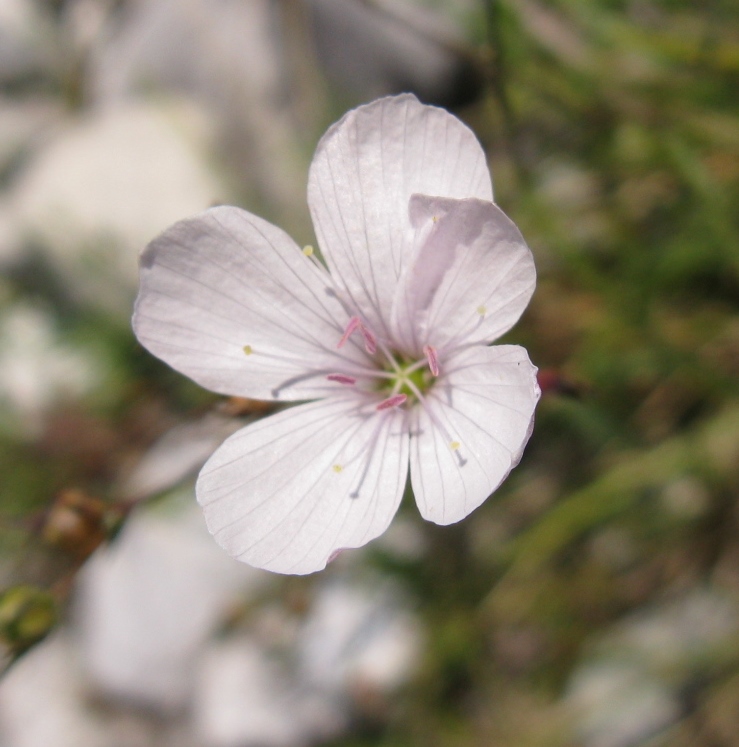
<point>388,348</point>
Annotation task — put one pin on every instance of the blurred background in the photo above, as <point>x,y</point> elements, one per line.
<point>593,601</point>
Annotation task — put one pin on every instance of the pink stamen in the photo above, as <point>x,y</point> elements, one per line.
<point>432,358</point>
<point>395,401</point>
<point>370,341</point>
<point>353,324</point>
<point>342,379</point>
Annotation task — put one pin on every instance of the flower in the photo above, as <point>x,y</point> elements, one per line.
<point>390,346</point>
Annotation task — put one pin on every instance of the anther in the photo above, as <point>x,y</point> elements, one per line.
<point>337,468</point>
<point>430,352</point>
<point>342,379</point>
<point>350,327</point>
<point>310,253</point>
<point>481,310</point>
<point>247,350</point>
<point>454,445</point>
<point>395,401</point>
<point>370,341</point>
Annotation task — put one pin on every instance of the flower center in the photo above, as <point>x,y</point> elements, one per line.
<point>411,378</point>
<point>400,379</point>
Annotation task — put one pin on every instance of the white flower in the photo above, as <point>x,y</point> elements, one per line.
<point>391,345</point>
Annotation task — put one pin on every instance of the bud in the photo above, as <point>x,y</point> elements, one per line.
<point>27,614</point>
<point>76,523</point>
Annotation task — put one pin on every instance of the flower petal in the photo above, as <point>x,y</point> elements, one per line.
<point>472,431</point>
<point>230,300</point>
<point>365,170</point>
<point>470,279</point>
<point>287,492</point>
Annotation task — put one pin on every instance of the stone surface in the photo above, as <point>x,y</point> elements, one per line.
<point>106,184</point>
<point>150,602</point>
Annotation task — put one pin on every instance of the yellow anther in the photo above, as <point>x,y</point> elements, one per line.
<point>337,468</point>
<point>308,250</point>
<point>434,218</point>
<point>481,310</point>
<point>247,350</point>
<point>454,445</point>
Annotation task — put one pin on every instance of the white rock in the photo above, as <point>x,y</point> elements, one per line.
<point>680,633</point>
<point>41,700</point>
<point>37,370</point>
<point>178,453</point>
<point>372,50</point>
<point>357,636</point>
<point>150,602</point>
<point>617,706</point>
<point>296,687</point>
<point>9,240</point>
<point>22,122</point>
<point>228,56</point>
<point>627,688</point>
<point>243,699</point>
<point>404,539</point>
<point>24,39</point>
<point>189,45</point>
<point>96,194</point>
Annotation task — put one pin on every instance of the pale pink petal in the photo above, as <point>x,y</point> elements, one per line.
<point>470,278</point>
<point>288,491</point>
<point>478,418</point>
<point>363,174</point>
<point>231,301</point>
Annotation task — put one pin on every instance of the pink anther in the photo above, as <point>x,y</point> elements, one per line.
<point>432,358</point>
<point>353,324</point>
<point>342,379</point>
<point>370,341</point>
<point>395,401</point>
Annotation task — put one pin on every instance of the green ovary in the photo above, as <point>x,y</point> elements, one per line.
<point>407,382</point>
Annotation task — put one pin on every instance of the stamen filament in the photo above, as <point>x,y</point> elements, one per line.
<point>455,343</point>
<point>368,456</point>
<point>364,373</point>
<point>390,358</point>
<point>422,363</point>
<point>258,354</point>
<point>454,445</point>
